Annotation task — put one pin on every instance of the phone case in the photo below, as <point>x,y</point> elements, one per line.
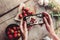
<point>34,19</point>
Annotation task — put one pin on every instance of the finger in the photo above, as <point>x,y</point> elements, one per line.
<point>48,17</point>
<point>47,25</point>
<point>45,21</point>
<point>25,26</point>
<point>21,27</point>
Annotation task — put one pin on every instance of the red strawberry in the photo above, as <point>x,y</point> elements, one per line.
<point>32,20</point>
<point>29,13</point>
<point>10,36</point>
<point>32,13</point>
<point>25,14</point>
<point>8,32</point>
<point>14,28</point>
<point>18,28</point>
<point>15,32</point>
<point>20,16</point>
<point>15,35</point>
<point>9,29</point>
<point>26,9</point>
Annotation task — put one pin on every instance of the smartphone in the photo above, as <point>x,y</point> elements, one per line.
<point>34,19</point>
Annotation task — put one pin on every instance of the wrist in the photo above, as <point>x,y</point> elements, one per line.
<point>55,37</point>
<point>25,38</point>
<point>52,33</point>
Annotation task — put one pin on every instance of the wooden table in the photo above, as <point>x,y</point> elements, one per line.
<point>36,33</point>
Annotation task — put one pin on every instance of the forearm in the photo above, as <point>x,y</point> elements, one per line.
<point>25,37</point>
<point>54,37</point>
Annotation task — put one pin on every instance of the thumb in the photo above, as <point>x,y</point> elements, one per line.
<point>25,26</point>
<point>21,26</point>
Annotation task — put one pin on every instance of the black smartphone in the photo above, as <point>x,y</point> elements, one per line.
<point>34,19</point>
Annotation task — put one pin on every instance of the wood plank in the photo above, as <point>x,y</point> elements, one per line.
<point>6,5</point>
<point>8,16</point>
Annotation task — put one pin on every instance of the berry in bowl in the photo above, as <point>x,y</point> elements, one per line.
<point>13,32</point>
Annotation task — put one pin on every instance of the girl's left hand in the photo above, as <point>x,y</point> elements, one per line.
<point>23,28</point>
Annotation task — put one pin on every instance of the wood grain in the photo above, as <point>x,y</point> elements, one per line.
<point>6,5</point>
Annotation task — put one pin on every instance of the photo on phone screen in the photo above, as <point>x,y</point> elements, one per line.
<point>34,19</point>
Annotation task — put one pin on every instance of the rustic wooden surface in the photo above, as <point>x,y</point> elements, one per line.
<point>6,5</point>
<point>36,33</point>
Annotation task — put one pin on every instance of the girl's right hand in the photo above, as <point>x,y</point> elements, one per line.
<point>49,26</point>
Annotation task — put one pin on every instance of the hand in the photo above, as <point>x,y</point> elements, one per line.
<point>48,22</point>
<point>24,30</point>
<point>49,26</point>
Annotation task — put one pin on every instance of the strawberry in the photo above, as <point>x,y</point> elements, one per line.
<point>20,16</point>
<point>26,9</point>
<point>14,28</point>
<point>15,35</point>
<point>10,36</point>
<point>8,32</point>
<point>18,28</point>
<point>32,20</point>
<point>15,32</point>
<point>9,29</point>
<point>29,13</point>
<point>32,13</point>
<point>25,14</point>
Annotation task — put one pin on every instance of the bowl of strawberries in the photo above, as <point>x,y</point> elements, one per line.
<point>13,32</point>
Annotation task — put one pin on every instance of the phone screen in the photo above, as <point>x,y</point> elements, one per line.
<point>34,19</point>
